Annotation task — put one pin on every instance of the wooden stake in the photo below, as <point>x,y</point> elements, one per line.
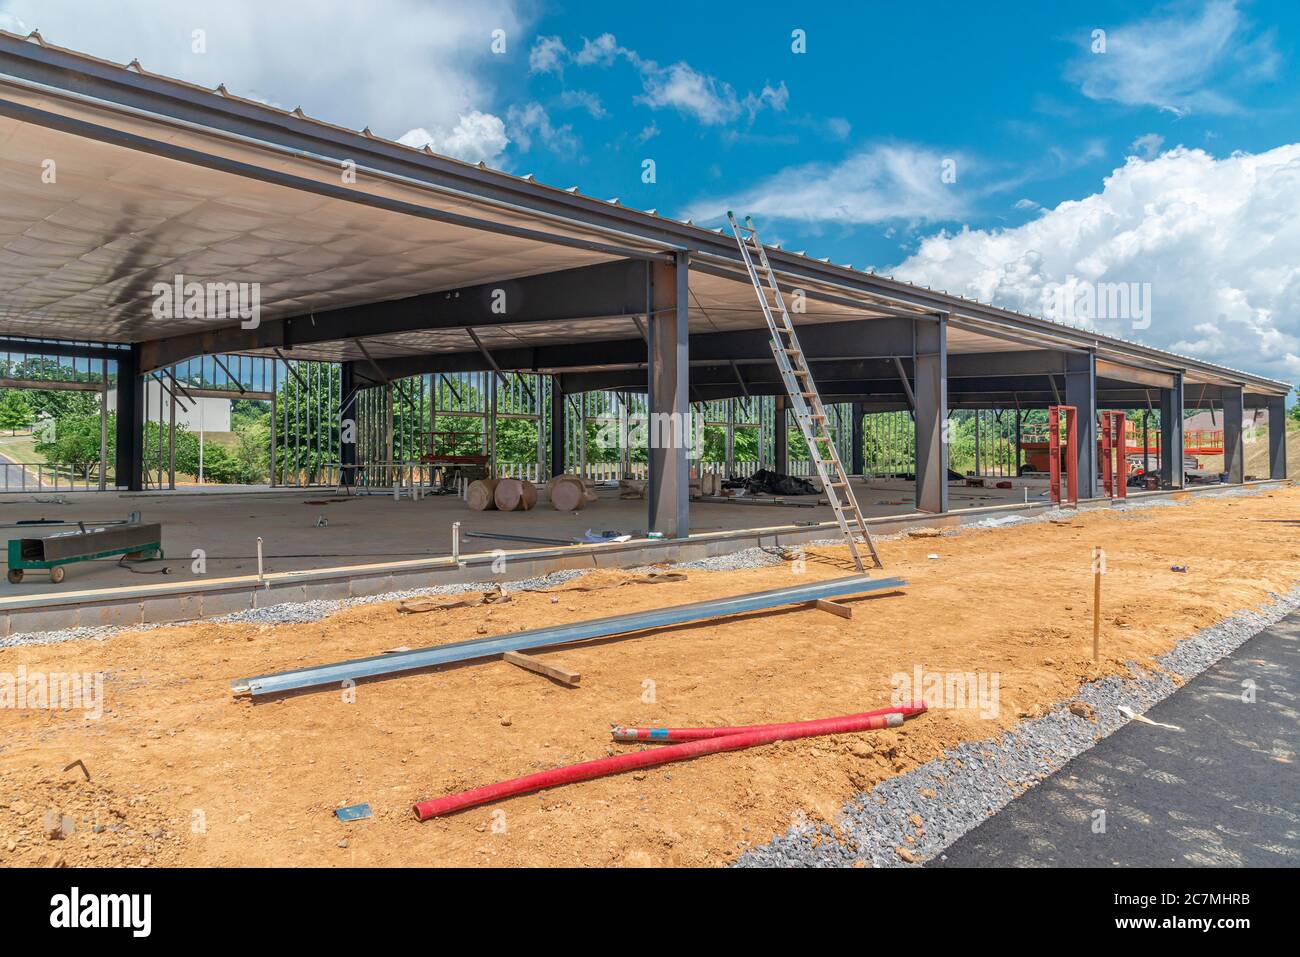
<point>562,675</point>
<point>1096,601</point>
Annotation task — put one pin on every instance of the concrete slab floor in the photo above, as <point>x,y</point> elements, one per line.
<point>374,528</point>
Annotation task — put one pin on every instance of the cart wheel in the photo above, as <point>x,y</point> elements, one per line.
<point>15,576</point>
<point>57,573</point>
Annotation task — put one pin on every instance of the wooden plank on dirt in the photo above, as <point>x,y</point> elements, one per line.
<point>560,674</point>
<point>834,607</point>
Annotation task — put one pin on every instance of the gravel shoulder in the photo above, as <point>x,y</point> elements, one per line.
<point>969,801</point>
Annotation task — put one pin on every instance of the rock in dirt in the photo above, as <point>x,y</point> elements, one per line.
<point>1083,710</point>
<point>57,826</point>
<point>905,854</point>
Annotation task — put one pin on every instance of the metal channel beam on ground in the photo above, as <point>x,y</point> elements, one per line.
<point>333,674</point>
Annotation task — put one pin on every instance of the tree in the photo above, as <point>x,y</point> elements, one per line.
<point>71,441</point>
<point>15,412</point>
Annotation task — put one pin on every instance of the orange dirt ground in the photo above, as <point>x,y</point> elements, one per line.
<point>184,774</point>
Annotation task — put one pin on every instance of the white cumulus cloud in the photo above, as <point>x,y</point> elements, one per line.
<point>882,182</point>
<point>387,64</point>
<point>1174,62</point>
<point>476,138</point>
<point>531,119</point>
<point>678,86</point>
<point>1217,239</point>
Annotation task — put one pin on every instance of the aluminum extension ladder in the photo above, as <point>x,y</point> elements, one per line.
<point>804,398</point>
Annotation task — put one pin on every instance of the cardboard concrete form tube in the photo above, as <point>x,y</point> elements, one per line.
<point>515,495</point>
<point>569,494</point>
<point>481,495</point>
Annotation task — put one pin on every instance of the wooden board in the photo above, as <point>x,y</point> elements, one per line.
<point>835,608</point>
<point>562,675</point>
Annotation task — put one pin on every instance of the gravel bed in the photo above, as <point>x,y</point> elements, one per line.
<point>873,824</point>
<point>290,612</point>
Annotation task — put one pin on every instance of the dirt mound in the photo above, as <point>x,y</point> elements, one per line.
<point>67,821</point>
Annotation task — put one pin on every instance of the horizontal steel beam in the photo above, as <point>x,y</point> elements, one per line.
<point>586,292</point>
<point>333,674</point>
<point>76,350</point>
<point>64,385</point>
<point>858,338</point>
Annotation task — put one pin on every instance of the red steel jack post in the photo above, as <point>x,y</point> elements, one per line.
<point>1114,464</point>
<point>1071,451</point>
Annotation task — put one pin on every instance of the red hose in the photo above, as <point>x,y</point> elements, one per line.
<point>649,758</point>
<point>667,735</point>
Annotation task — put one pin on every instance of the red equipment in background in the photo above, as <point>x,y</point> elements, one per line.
<point>1071,451</point>
<point>1114,458</point>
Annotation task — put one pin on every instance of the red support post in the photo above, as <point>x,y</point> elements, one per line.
<point>1054,451</point>
<point>1107,466</point>
<point>1071,451</point>
<point>1121,455</point>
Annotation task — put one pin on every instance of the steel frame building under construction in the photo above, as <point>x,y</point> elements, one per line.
<point>394,263</point>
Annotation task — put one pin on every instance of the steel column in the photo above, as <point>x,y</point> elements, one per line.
<point>1171,434</point>
<point>670,409</point>
<point>129,464</point>
<point>931,425</point>
<point>557,427</point>
<point>347,410</point>
<point>857,451</point>
<point>1234,410</point>
<point>1277,436</point>
<point>1081,393</point>
<point>780,437</point>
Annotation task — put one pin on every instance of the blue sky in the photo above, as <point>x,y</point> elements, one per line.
<point>1003,95</point>
<point>1169,156</point>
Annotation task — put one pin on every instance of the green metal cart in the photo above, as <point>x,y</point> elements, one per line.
<point>134,539</point>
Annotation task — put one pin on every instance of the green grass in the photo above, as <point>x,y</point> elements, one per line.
<point>20,448</point>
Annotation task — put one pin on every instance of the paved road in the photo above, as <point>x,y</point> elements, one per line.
<point>1225,791</point>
